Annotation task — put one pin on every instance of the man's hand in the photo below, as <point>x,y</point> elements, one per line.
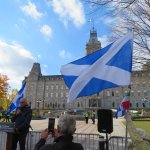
<point>44,134</point>
<point>57,133</point>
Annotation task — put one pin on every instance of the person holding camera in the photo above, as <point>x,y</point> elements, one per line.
<point>22,121</point>
<point>63,136</point>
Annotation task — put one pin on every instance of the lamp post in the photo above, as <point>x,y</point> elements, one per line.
<point>38,110</point>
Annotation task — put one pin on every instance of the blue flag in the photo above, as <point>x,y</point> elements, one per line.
<point>16,100</point>
<point>106,68</point>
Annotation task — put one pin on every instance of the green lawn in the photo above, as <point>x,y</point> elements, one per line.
<point>142,124</point>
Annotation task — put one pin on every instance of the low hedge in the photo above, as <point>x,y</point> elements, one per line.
<point>141,118</point>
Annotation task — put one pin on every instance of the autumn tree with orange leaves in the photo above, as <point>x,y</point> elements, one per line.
<point>3,86</point>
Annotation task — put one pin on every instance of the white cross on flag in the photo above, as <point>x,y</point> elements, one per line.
<point>106,68</point>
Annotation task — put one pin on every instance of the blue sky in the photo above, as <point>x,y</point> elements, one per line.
<point>52,32</point>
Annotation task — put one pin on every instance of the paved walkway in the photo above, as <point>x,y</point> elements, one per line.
<point>82,127</point>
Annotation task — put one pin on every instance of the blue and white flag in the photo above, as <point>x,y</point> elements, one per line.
<point>106,68</point>
<point>16,100</point>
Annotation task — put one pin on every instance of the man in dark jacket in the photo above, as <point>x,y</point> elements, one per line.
<point>63,136</point>
<point>22,121</point>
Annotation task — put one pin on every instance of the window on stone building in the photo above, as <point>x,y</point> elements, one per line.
<point>117,93</point>
<point>67,94</point>
<point>78,104</point>
<point>132,93</point>
<point>55,104</point>
<point>125,92</point>
<point>52,87</point>
<point>143,74</point>
<point>139,93</point>
<point>47,87</point>
<point>113,104</point>
<point>61,94</point>
<point>51,94</point>
<point>62,87</point>
<point>145,93</point>
<point>46,94</point>
<point>56,87</point>
<point>45,104</point>
<point>56,94</point>
<point>63,105</point>
<point>108,93</point>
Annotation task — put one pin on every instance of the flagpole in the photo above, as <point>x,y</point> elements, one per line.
<point>126,139</point>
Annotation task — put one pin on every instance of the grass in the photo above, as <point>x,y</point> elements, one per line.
<point>142,124</point>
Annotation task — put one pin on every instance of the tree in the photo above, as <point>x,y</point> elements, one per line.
<point>3,90</point>
<point>3,86</point>
<point>130,14</point>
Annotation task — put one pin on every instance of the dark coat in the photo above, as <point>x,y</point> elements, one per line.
<point>23,119</point>
<point>61,143</point>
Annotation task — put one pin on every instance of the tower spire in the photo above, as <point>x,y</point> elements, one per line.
<point>93,44</point>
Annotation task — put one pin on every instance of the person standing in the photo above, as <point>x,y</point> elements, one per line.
<point>1,115</point>
<point>63,136</point>
<point>93,116</point>
<point>86,116</point>
<point>7,116</point>
<point>22,121</point>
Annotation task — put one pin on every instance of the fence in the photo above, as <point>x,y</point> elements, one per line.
<point>88,141</point>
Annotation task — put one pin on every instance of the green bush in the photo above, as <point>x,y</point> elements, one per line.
<point>134,118</point>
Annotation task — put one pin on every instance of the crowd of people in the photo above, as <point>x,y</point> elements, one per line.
<point>4,117</point>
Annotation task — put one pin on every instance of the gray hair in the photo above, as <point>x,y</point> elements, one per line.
<point>67,124</point>
<point>23,100</point>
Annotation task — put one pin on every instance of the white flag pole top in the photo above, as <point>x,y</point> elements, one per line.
<point>99,70</point>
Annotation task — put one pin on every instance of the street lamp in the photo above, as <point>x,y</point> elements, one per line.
<point>38,110</point>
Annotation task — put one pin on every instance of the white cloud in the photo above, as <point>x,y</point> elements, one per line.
<point>31,10</point>
<point>46,31</point>
<point>39,56</point>
<point>104,40</point>
<point>70,10</point>
<point>64,54</point>
<point>45,66</point>
<point>15,61</point>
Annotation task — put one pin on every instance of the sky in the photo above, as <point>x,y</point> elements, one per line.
<point>50,32</point>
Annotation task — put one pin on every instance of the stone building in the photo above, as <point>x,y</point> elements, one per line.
<point>50,92</point>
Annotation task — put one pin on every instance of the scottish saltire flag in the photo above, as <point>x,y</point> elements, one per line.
<point>123,107</point>
<point>16,100</point>
<point>106,68</point>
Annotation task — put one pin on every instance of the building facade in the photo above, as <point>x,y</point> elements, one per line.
<point>50,92</point>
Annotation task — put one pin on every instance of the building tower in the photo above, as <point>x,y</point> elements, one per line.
<point>93,44</point>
